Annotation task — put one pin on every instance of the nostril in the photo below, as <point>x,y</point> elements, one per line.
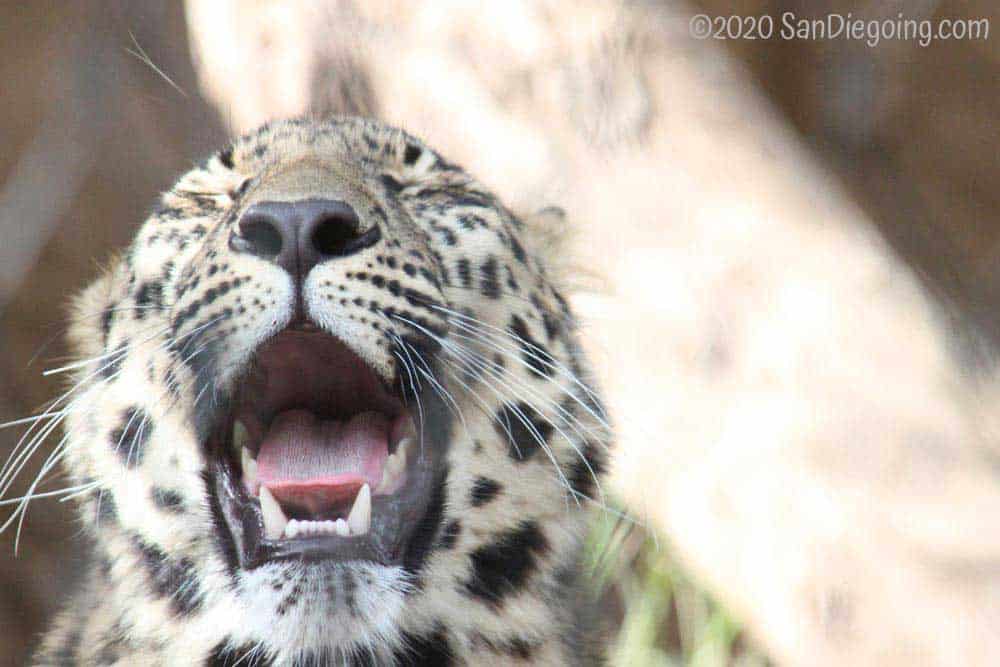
<point>262,235</point>
<point>333,235</point>
<point>298,235</point>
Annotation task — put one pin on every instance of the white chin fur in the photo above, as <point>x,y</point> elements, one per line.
<point>320,617</point>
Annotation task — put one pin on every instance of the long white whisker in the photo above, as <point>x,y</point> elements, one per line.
<point>520,386</point>
<point>416,395</point>
<point>106,355</point>
<point>570,419</point>
<point>72,490</point>
<point>477,326</point>
<point>32,439</point>
<point>517,411</point>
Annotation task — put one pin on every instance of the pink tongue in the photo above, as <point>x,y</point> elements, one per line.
<point>315,464</point>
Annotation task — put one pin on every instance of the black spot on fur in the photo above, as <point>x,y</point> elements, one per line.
<point>412,154</point>
<point>483,491</point>
<point>582,471</point>
<point>391,183</point>
<point>107,511</point>
<point>224,656</point>
<point>517,249</point>
<point>518,648</point>
<point>449,536</point>
<point>513,647</point>
<point>534,354</point>
<point>107,319</point>
<point>490,280</point>
<point>173,384</point>
<point>170,578</point>
<point>226,158</point>
<point>432,650</point>
<point>149,296</point>
<point>447,236</point>
<point>522,426</point>
<point>501,568</point>
<point>512,283</point>
<point>114,365</point>
<point>350,586</point>
<point>290,600</point>
<point>130,438</point>
<point>168,500</point>
<point>464,272</point>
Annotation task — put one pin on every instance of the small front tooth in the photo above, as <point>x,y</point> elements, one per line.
<point>274,519</point>
<point>341,528</point>
<point>360,517</point>
<point>240,435</point>
<point>292,528</point>
<point>249,471</point>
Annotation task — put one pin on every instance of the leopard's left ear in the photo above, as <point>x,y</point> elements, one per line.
<point>92,312</point>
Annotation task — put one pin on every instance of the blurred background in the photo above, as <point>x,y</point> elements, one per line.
<point>795,310</point>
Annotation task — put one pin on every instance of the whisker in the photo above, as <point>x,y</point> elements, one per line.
<point>416,396</point>
<point>517,411</point>
<point>570,419</point>
<point>475,325</point>
<point>112,353</point>
<point>72,490</point>
<point>469,361</point>
<point>141,55</point>
<point>51,419</point>
<point>80,318</point>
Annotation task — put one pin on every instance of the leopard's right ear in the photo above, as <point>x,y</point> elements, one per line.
<point>551,236</point>
<point>93,312</point>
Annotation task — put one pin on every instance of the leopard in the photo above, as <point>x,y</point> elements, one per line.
<point>331,406</point>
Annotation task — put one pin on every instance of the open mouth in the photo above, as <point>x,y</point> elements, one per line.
<point>316,458</point>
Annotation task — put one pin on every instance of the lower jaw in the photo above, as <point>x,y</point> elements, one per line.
<point>399,525</point>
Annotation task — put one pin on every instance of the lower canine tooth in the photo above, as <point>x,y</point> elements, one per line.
<point>401,450</point>
<point>240,435</point>
<point>360,517</point>
<point>274,519</point>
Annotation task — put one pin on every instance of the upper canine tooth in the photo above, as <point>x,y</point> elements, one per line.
<point>401,450</point>
<point>360,517</point>
<point>274,519</point>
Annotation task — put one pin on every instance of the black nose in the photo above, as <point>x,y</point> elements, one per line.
<point>299,235</point>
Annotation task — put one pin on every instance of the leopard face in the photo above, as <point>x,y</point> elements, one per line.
<point>330,408</point>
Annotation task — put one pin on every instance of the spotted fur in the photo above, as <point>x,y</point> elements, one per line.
<point>456,278</point>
